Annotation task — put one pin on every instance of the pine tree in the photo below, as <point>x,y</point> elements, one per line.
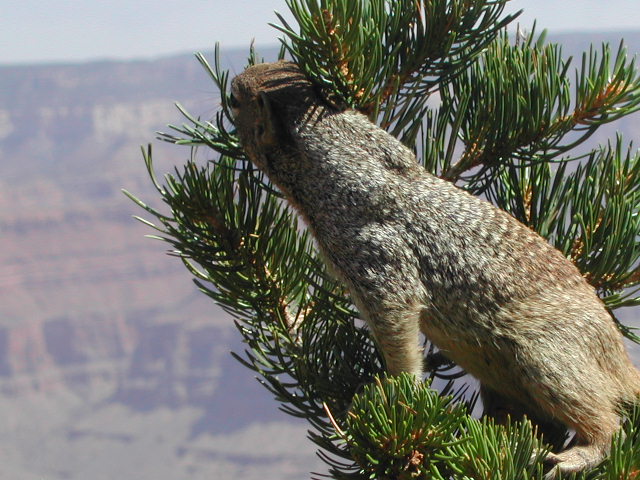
<point>502,117</point>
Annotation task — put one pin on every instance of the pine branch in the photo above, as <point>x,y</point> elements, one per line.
<point>517,105</point>
<point>365,53</point>
<point>219,135</point>
<point>247,252</point>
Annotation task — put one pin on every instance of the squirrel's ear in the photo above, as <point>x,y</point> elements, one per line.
<point>267,124</point>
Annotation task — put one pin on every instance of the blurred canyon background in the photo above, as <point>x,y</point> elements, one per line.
<point>112,364</point>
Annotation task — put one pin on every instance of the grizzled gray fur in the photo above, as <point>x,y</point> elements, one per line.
<point>420,255</point>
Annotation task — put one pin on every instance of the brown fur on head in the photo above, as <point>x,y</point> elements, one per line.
<point>263,99</point>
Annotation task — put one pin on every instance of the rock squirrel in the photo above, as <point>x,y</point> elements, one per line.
<point>418,254</point>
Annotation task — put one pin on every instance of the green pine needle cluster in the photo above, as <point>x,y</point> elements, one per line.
<point>516,103</point>
<point>398,429</point>
<point>502,117</point>
<point>380,56</point>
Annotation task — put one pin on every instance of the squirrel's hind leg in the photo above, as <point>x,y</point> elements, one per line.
<point>592,446</point>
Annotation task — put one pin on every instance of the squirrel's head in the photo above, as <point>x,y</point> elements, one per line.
<point>267,100</point>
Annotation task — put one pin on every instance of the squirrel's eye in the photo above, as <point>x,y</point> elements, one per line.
<point>233,101</point>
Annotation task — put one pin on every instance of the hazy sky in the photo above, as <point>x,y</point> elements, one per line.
<point>72,30</point>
